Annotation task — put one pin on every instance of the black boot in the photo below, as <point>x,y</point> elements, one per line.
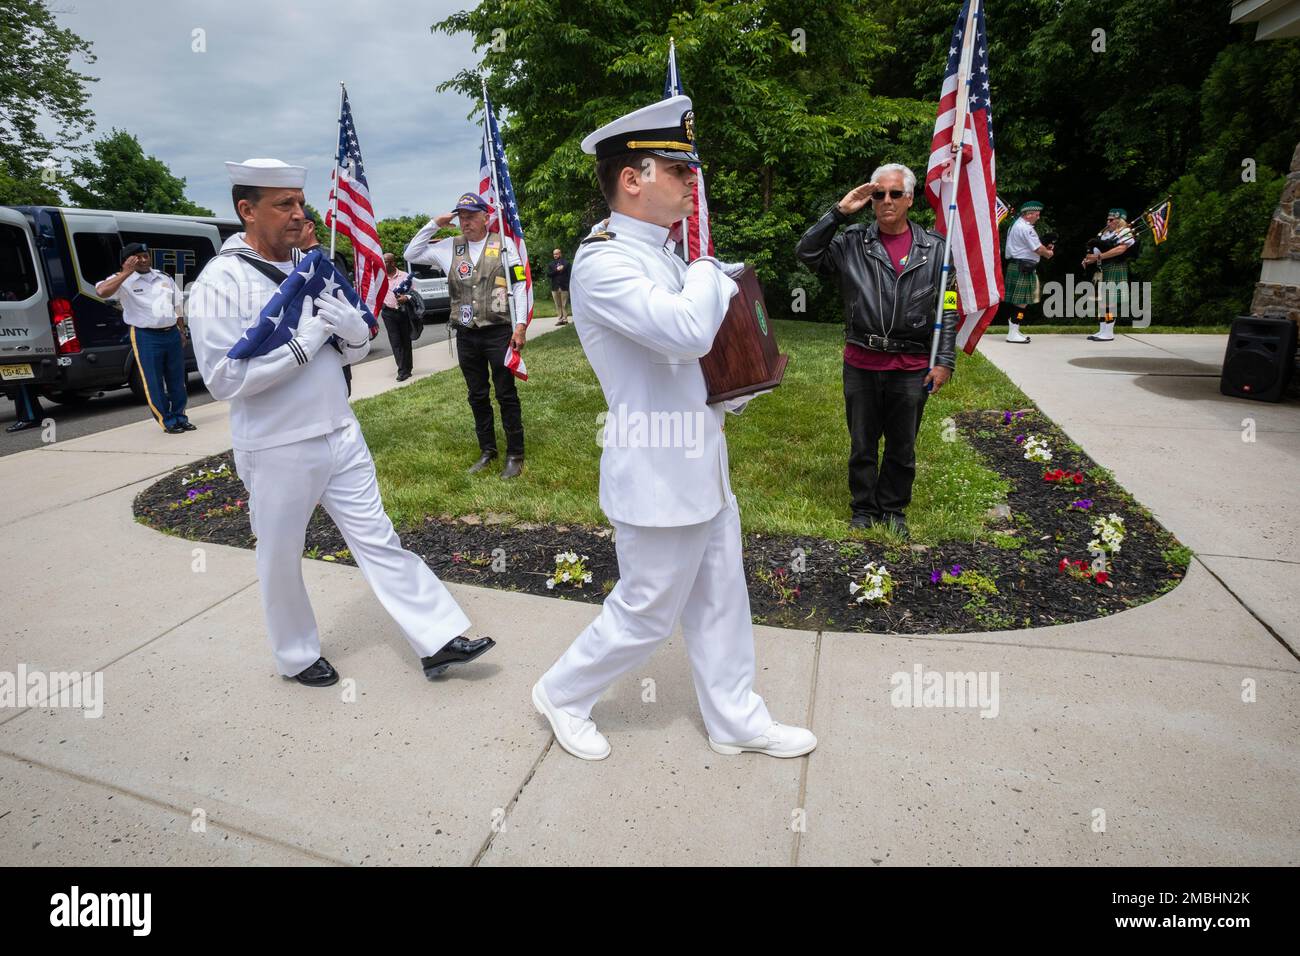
<point>514,466</point>
<point>488,456</point>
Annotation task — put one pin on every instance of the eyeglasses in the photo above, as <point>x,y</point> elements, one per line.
<point>1112,218</point>
<point>879,194</point>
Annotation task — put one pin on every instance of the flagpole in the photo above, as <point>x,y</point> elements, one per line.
<point>958,141</point>
<point>334,198</point>
<point>496,189</point>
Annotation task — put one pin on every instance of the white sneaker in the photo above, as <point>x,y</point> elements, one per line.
<point>779,741</point>
<point>1018,337</point>
<point>579,737</point>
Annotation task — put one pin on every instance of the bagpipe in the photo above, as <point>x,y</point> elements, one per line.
<point>1153,221</point>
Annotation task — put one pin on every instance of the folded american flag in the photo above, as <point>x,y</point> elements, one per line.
<point>314,276</point>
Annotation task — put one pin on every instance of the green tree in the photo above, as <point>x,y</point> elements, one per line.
<point>38,81</point>
<point>121,177</point>
<point>786,117</point>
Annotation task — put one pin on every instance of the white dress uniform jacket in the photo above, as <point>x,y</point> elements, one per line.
<point>645,318</point>
<point>297,444</point>
<point>275,398</point>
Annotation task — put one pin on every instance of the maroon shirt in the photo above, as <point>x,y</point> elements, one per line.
<point>897,248</point>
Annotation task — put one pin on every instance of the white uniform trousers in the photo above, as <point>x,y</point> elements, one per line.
<point>693,573</point>
<point>284,485</point>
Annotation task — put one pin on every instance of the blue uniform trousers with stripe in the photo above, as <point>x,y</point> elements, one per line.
<point>162,367</point>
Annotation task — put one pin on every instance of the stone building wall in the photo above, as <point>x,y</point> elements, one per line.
<point>1278,290</point>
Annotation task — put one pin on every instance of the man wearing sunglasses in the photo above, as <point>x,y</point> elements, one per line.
<point>891,275</point>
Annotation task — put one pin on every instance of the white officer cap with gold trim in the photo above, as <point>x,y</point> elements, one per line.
<point>267,172</point>
<point>666,129</point>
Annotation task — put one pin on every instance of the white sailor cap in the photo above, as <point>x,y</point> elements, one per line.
<point>666,128</point>
<point>267,172</point>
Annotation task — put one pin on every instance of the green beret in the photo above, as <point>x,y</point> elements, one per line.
<point>1118,211</point>
<point>1030,206</point>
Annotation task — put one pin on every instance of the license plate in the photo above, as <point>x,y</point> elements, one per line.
<point>11,373</point>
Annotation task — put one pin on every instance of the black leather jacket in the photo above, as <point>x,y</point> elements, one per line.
<point>877,301</point>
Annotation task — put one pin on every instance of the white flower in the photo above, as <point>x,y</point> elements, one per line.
<point>550,583</point>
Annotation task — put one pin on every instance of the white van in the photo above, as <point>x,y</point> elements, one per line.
<point>55,332</point>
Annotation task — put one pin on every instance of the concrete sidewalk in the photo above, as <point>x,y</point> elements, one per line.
<point>204,756</point>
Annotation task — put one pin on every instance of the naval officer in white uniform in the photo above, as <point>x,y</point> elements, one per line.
<point>296,440</point>
<point>645,318</point>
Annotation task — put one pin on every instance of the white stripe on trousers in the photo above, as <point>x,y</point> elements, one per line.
<point>284,484</point>
<point>693,573</point>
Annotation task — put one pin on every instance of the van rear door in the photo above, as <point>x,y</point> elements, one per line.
<point>25,332</point>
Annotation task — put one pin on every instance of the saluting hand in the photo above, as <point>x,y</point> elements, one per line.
<point>855,199</point>
<point>443,221</point>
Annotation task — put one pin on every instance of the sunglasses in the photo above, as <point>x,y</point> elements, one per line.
<point>879,194</point>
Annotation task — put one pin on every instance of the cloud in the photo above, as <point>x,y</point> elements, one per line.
<point>268,85</point>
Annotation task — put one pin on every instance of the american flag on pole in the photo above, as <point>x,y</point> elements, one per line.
<point>355,217</point>
<point>494,174</point>
<point>1002,209</point>
<point>974,239</point>
<point>697,239</point>
<point>1158,220</point>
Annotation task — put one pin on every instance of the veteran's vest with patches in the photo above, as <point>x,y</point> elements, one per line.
<point>478,292</point>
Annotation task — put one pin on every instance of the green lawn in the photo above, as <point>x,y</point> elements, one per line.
<point>789,450</point>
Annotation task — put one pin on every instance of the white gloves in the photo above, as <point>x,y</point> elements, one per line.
<point>730,269</point>
<point>737,405</point>
<point>313,330</point>
<point>346,319</point>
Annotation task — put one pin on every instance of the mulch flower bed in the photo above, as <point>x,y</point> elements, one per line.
<point>1047,561</point>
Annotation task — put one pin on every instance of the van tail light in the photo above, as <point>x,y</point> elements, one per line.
<point>65,332</point>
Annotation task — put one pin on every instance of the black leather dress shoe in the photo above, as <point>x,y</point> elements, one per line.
<point>320,674</point>
<point>403,376</point>
<point>19,426</point>
<point>189,426</point>
<point>482,463</point>
<point>176,430</point>
<point>862,521</point>
<point>456,651</point>
<point>514,466</point>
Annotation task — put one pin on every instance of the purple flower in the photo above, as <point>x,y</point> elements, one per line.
<point>936,577</point>
<point>1006,417</point>
<point>1020,439</point>
<point>956,570</point>
<point>1083,504</point>
<point>1019,415</point>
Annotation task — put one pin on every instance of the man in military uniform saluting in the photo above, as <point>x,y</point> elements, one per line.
<point>477,281</point>
<point>645,318</point>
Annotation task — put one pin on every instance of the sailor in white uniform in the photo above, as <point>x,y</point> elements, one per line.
<point>645,318</point>
<point>296,440</point>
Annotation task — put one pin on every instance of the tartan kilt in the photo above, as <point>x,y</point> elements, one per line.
<point>1112,289</point>
<point>1021,287</point>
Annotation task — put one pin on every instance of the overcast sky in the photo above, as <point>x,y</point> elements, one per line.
<point>268,86</point>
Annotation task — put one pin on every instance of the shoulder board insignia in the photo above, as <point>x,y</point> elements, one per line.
<point>597,237</point>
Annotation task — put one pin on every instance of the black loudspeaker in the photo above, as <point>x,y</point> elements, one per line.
<point>1260,357</point>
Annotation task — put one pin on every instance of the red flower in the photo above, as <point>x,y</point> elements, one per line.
<point>1078,477</point>
<point>1065,563</point>
<point>1101,577</point>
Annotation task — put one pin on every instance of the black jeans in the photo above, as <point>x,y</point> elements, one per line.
<point>399,337</point>
<point>482,353</point>
<point>888,404</point>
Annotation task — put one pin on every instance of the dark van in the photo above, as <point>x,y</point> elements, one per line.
<point>55,333</point>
